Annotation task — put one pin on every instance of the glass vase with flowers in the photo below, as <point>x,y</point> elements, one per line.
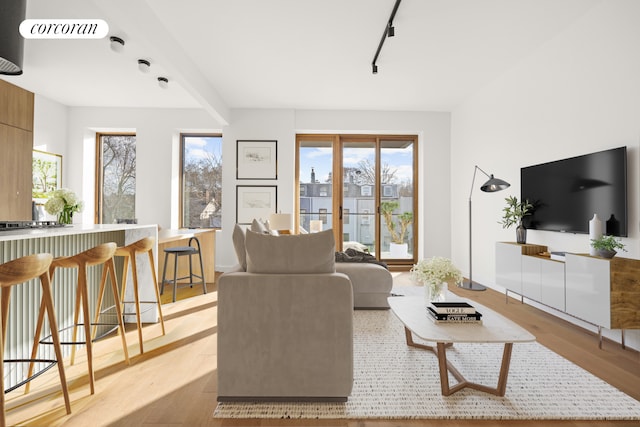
<point>434,274</point>
<point>63,203</point>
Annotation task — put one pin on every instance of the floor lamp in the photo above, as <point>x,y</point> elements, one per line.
<point>491,186</point>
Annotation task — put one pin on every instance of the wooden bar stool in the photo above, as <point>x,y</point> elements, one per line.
<point>177,252</point>
<point>99,255</point>
<point>19,271</point>
<point>129,252</point>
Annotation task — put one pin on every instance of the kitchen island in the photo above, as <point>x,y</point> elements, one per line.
<point>65,241</point>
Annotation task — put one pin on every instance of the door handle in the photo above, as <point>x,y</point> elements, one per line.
<point>340,213</point>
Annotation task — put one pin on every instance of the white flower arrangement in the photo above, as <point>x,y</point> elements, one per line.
<point>436,271</point>
<point>433,274</point>
<point>63,203</point>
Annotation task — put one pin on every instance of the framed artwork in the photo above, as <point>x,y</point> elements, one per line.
<point>47,173</point>
<point>258,201</point>
<point>256,159</point>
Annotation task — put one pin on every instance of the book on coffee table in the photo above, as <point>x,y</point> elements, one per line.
<point>453,307</point>
<point>454,318</point>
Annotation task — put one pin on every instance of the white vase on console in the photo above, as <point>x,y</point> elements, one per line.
<point>595,231</point>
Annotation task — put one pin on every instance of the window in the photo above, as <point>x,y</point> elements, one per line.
<point>365,190</point>
<point>322,215</point>
<point>116,178</point>
<point>387,191</point>
<point>365,217</point>
<point>323,191</point>
<point>201,181</point>
<point>345,216</point>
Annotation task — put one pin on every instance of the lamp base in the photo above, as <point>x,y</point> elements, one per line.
<point>472,286</point>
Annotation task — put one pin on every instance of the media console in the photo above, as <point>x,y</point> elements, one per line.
<point>600,291</point>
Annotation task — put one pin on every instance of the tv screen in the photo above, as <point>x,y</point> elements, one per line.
<point>566,193</point>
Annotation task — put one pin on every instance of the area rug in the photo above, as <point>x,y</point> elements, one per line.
<point>393,381</point>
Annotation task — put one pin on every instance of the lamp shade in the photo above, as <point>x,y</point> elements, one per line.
<point>280,221</point>
<point>11,42</point>
<point>494,184</point>
<point>315,226</point>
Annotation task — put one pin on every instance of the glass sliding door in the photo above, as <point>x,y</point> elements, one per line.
<point>359,188</point>
<point>397,202</point>
<point>364,188</point>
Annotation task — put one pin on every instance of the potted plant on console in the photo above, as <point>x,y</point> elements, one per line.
<point>606,246</point>
<point>513,214</point>
<point>398,247</point>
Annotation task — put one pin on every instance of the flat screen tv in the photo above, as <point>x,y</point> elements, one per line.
<point>566,193</point>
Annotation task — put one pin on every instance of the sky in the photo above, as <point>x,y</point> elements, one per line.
<point>320,158</point>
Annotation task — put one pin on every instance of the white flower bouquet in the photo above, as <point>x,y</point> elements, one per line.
<point>63,203</point>
<point>433,272</point>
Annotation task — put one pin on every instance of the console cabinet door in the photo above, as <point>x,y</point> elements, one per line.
<point>588,289</point>
<point>552,291</point>
<point>509,266</point>
<point>531,277</point>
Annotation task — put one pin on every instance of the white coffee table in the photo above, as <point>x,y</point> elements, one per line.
<point>411,310</point>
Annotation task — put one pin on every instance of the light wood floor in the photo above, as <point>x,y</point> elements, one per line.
<point>174,382</point>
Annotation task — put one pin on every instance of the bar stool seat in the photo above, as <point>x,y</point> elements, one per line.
<point>99,255</point>
<point>13,273</point>
<point>177,252</point>
<point>129,252</point>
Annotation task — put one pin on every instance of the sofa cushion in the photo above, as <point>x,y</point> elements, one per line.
<point>292,254</point>
<point>238,237</point>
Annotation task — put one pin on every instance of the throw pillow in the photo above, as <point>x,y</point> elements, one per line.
<point>238,237</point>
<point>258,226</point>
<point>292,254</point>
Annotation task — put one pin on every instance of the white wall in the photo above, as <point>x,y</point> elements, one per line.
<point>50,127</point>
<point>282,125</point>
<point>579,93</point>
<point>157,148</point>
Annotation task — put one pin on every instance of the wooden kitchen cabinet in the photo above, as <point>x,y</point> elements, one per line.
<point>16,146</point>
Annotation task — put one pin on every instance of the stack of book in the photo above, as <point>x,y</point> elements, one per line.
<point>453,312</point>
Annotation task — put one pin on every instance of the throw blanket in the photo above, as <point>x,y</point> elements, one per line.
<point>352,255</point>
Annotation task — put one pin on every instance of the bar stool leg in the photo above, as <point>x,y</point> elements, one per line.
<point>175,276</point>
<point>155,287</point>
<point>136,297</point>
<point>48,301</point>
<point>204,282</point>
<point>103,283</point>
<point>164,271</point>
<point>114,286</point>
<point>6,297</point>
<point>76,319</point>
<point>86,321</point>
<point>36,340</point>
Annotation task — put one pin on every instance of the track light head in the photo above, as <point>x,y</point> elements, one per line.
<point>117,44</point>
<point>163,82</point>
<point>144,66</point>
<point>391,30</point>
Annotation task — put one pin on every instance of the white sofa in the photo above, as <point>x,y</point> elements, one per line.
<point>371,282</point>
<point>285,325</point>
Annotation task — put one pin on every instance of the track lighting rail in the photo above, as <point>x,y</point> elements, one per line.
<point>389,31</point>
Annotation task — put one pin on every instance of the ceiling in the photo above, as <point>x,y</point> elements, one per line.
<point>294,54</point>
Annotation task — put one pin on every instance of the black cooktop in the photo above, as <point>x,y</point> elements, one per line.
<point>21,225</point>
